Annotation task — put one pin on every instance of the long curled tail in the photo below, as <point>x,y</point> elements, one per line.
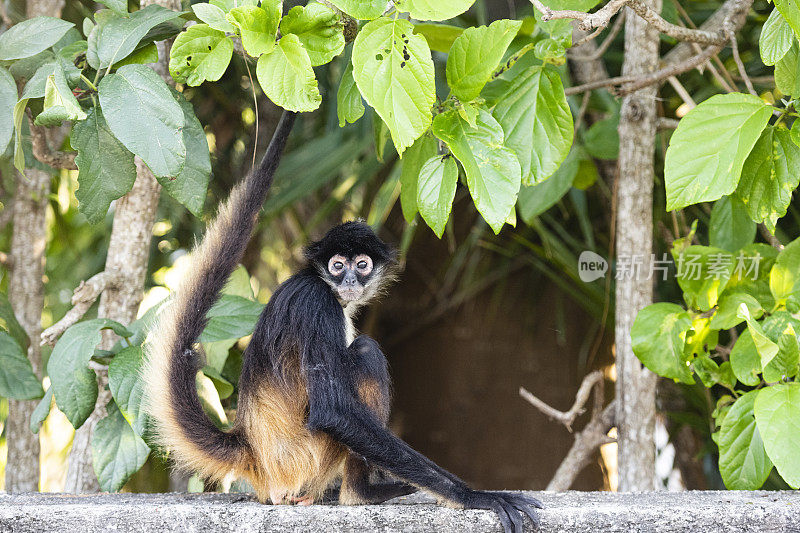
<point>171,400</point>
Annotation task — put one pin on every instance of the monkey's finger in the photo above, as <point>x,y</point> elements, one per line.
<point>502,514</point>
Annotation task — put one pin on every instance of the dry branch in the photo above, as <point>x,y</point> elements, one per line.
<point>567,417</point>
<point>44,153</point>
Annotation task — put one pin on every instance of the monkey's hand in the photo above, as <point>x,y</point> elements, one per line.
<point>509,507</point>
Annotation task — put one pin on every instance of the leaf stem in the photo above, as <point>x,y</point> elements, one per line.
<point>91,85</point>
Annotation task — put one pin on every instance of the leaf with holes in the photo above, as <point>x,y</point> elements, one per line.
<point>318,28</point>
<point>287,77</point>
<point>394,72</point>
<point>200,53</point>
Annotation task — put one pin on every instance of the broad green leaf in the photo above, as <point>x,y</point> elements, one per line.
<point>440,37</point>
<point>657,338</point>
<point>787,72</point>
<point>9,323</point>
<point>791,13</point>
<point>59,102</point>
<point>785,364</point>
<point>349,106</point>
<point>8,99</point>
<point>115,36</point>
<point>537,122</point>
<point>493,173</point>
<point>200,53</point>
<point>319,30</point>
<point>189,187</point>
<point>769,176</point>
<point>785,272</point>
<point>143,56</point>
<point>536,199</point>
<point>29,37</point>
<point>475,55</point>
<point>727,314</point>
<point>142,113</point>
<point>700,338</point>
<point>238,285</point>
<point>125,382</point>
<point>106,169</point>
<point>361,9</point>
<point>765,347</point>
<point>417,154</point>
<point>35,87</point>
<point>433,9</point>
<point>752,265</point>
<point>287,77</point>
<point>117,451</point>
<point>730,227</point>
<point>743,461</point>
<point>776,38</point>
<point>41,411</point>
<point>223,386</point>
<point>232,317</point>
<point>777,413</point>
<point>394,72</point>
<point>745,361</point>
<point>73,383</point>
<point>703,273</point>
<point>117,6</point>
<point>436,190</point>
<point>258,26</point>
<point>17,379</point>
<point>711,373</point>
<point>214,16</point>
<point>601,140</point>
<point>708,149</point>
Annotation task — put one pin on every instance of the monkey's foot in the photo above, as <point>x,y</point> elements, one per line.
<point>302,500</point>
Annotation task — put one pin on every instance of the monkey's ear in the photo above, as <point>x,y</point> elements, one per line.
<point>312,251</point>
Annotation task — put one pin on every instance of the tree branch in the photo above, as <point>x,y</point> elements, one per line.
<point>82,299</point>
<point>42,151</point>
<point>592,380</point>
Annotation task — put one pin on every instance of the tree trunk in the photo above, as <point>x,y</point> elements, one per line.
<point>635,391</point>
<point>128,254</point>
<point>26,292</point>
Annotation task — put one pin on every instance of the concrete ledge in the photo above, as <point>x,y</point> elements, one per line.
<point>696,512</point>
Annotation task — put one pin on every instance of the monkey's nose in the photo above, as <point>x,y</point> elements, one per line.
<point>350,279</point>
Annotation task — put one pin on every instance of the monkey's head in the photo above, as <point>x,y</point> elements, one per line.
<point>353,261</point>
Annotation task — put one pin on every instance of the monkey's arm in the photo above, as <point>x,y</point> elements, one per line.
<point>335,409</point>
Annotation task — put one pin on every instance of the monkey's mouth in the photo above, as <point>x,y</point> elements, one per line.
<point>350,294</point>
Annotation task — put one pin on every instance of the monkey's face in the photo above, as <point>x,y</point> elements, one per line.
<point>350,276</point>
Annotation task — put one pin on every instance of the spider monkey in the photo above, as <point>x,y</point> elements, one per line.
<point>314,397</point>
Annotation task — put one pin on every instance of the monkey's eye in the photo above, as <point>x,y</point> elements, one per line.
<point>362,265</point>
<point>338,265</point>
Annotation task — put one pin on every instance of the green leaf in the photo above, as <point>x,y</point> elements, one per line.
<point>475,55</point>
<point>41,411</point>
<point>59,102</point>
<point>433,9</point>
<point>440,37</point>
<point>776,38</point>
<point>106,170</point>
<point>361,9</point>
<point>765,347</point>
<point>258,26</point>
<point>703,273</point>
<point>214,16</point>
<point>436,190</point>
<point>537,122</point>
<point>787,72</point>
<point>730,227</point>
<point>142,56</point>
<point>791,13</point>
<point>125,382</point>
<point>785,272</point>
<point>769,176</point>
<point>117,6</point>
<point>8,99</point>
<point>9,323</point>
<point>751,273</point>
<point>73,383</point>
<point>381,135</point>
<point>602,138</point>
<point>117,451</point>
<point>223,386</point>
<point>727,314</point>
<point>349,106</point>
<point>785,364</point>
<point>745,361</point>
<point>142,113</point>
<point>115,36</point>
<point>35,87</point>
<point>417,154</point>
<point>17,379</point>
<point>493,173</point>
<point>29,37</point>
<point>657,338</point>
<point>319,30</point>
<point>287,78</point>
<point>233,317</point>
<point>536,199</point>
<point>200,53</point>
<point>189,187</point>
<point>777,413</point>
<point>394,72</point>
<point>743,461</point>
<point>708,149</point>
<point>710,373</point>
<point>19,153</point>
